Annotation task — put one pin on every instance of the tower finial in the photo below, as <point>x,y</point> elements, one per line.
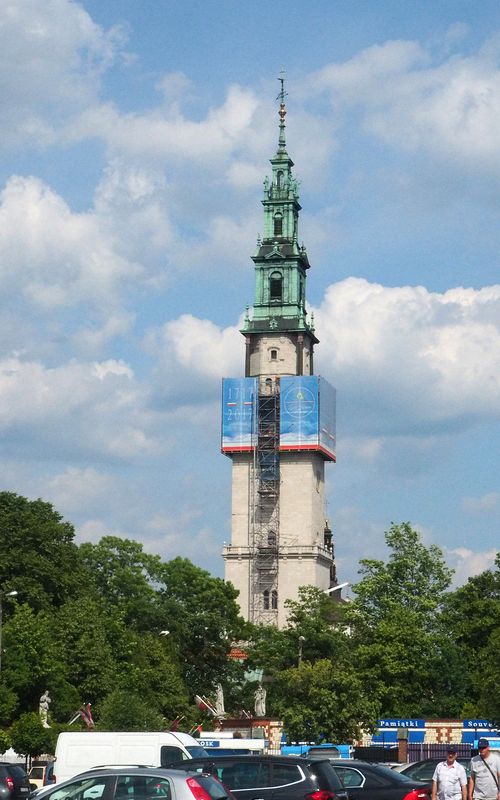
<point>282,111</point>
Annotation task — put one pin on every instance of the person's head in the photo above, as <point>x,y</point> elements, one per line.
<point>451,753</point>
<point>483,746</point>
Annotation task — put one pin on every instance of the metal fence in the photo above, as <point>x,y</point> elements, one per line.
<point>419,751</point>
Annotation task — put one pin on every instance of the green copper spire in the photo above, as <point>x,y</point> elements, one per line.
<point>280,263</point>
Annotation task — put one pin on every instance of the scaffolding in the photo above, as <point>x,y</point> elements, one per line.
<point>264,514</point>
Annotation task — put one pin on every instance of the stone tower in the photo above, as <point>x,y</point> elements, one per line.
<point>278,423</point>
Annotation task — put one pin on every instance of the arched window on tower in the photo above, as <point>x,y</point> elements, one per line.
<point>278,224</point>
<point>265,599</point>
<point>276,286</point>
<point>274,599</point>
<point>279,179</point>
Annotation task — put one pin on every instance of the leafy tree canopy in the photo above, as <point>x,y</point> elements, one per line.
<point>38,557</point>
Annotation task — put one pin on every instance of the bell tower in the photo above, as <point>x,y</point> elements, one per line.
<point>278,422</point>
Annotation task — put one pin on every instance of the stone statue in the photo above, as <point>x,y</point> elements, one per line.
<point>43,708</point>
<point>219,701</point>
<point>260,701</point>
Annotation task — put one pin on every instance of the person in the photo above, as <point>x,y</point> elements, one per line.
<point>484,778</point>
<point>43,708</point>
<point>260,701</point>
<point>449,781</point>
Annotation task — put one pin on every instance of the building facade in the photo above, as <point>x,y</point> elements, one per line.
<point>278,422</point>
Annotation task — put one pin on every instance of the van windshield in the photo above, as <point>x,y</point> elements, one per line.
<point>197,751</point>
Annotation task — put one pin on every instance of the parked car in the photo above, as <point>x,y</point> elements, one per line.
<point>424,770</point>
<point>136,783</point>
<point>377,782</point>
<point>274,777</point>
<point>14,781</point>
<point>41,773</point>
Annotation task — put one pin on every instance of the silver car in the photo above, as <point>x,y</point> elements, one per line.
<point>136,783</point>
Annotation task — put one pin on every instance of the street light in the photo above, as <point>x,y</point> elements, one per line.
<point>13,593</point>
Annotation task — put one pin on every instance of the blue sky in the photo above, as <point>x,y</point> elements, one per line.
<point>135,137</point>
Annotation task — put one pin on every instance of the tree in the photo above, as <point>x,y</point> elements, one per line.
<point>126,579</point>
<point>324,700</point>
<point>29,737</point>
<point>402,650</point>
<point>471,614</point>
<point>202,615</point>
<point>38,557</point>
<point>123,710</point>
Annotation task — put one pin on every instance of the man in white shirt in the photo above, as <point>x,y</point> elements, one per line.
<point>449,781</point>
<point>484,774</point>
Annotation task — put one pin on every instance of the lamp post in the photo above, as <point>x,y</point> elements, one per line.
<point>13,593</point>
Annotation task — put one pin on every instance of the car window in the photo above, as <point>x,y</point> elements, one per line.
<point>421,772</point>
<point>170,755</point>
<point>350,777</point>
<point>142,787</point>
<point>17,772</point>
<point>82,789</point>
<point>283,774</point>
<point>36,773</point>
<point>248,775</point>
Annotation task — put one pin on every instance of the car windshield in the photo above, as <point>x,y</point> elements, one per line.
<point>197,752</point>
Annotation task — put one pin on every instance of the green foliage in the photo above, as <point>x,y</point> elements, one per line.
<point>86,625</point>
<point>471,614</point>
<point>38,557</point>
<point>125,578</point>
<point>202,616</point>
<point>399,643</point>
<point>5,741</point>
<point>123,710</point>
<point>29,737</point>
<point>324,700</point>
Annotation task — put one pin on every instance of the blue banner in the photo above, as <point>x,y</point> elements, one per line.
<point>299,412</point>
<point>239,396</point>
<point>307,414</point>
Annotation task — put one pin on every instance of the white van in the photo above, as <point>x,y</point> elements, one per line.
<point>77,752</point>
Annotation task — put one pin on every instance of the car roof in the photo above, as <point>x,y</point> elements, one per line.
<point>254,758</point>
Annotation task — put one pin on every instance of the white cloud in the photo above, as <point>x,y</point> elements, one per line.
<point>415,360</point>
<point>448,107</point>
<point>51,58</point>
<point>53,256</point>
<point>76,410</point>
<point>165,132</point>
<point>78,488</point>
<point>484,504</point>
<point>199,347</point>
<point>468,563</point>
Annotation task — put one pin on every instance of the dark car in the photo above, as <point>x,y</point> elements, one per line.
<point>273,777</point>
<point>14,782</point>
<point>424,770</point>
<point>136,783</point>
<point>378,782</point>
